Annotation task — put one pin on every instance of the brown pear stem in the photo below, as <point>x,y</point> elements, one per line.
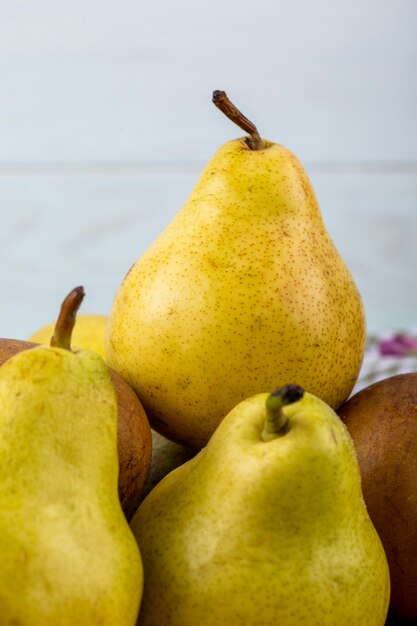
<point>66,319</point>
<point>276,422</point>
<point>223,103</point>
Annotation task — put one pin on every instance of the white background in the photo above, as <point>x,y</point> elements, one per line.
<point>106,122</point>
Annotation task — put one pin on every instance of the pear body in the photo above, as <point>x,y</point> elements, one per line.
<point>382,420</point>
<point>89,333</point>
<point>68,555</point>
<point>261,533</point>
<point>242,292</point>
<point>134,437</point>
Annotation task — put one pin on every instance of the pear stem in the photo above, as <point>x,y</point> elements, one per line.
<point>276,422</point>
<point>66,319</point>
<point>223,103</point>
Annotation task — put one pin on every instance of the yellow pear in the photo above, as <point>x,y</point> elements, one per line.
<point>89,333</point>
<point>266,526</point>
<point>68,555</point>
<point>244,290</point>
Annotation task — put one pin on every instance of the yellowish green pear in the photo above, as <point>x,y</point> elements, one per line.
<point>89,333</point>
<point>243,291</point>
<point>266,526</point>
<point>134,434</point>
<point>68,556</point>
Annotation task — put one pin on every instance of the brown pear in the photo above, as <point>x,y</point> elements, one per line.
<point>134,433</point>
<point>382,420</point>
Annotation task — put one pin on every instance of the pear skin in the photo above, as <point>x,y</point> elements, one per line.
<point>68,555</point>
<point>243,291</point>
<point>262,530</point>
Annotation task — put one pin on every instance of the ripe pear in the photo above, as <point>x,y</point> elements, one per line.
<point>244,290</point>
<point>382,420</point>
<point>89,333</point>
<point>67,553</point>
<point>265,525</point>
<point>134,439</point>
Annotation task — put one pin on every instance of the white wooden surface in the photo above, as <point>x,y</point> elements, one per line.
<point>106,121</point>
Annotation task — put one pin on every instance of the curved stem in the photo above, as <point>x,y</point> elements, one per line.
<point>276,422</point>
<point>66,319</point>
<point>223,103</point>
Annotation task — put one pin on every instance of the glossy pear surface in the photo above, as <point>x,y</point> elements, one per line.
<point>67,553</point>
<point>264,533</point>
<point>242,292</point>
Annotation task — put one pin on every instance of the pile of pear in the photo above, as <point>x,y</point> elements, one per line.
<point>238,334</point>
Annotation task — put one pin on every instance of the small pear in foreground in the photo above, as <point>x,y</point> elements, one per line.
<point>67,554</point>
<point>244,290</point>
<point>89,333</point>
<point>266,526</point>
<point>382,420</point>
<point>134,433</point>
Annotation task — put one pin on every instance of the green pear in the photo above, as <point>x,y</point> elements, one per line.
<point>243,291</point>
<point>264,526</point>
<point>68,555</point>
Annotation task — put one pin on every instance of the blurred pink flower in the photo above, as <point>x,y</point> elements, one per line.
<point>398,345</point>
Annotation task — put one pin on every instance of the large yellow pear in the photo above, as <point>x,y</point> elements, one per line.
<point>242,292</point>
